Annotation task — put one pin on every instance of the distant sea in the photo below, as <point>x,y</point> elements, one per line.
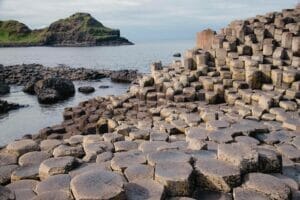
<point>31,119</point>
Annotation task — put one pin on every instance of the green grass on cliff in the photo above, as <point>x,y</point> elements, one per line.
<point>79,27</point>
<point>85,23</point>
<point>17,33</point>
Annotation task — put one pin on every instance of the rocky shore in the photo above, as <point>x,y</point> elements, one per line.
<point>27,73</point>
<point>222,123</point>
<point>52,84</point>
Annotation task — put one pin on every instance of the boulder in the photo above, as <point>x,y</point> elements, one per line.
<point>52,90</point>
<point>4,88</point>
<point>86,89</point>
<point>123,76</point>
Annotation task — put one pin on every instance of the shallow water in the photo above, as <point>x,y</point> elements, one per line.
<point>36,116</point>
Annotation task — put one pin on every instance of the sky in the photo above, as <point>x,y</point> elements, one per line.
<point>143,19</point>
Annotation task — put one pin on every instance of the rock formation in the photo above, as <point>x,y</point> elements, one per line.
<point>80,29</point>
<point>221,123</point>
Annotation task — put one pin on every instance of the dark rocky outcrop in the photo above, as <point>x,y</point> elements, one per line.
<point>80,29</point>
<point>6,106</point>
<point>123,76</point>
<point>4,88</point>
<point>86,89</point>
<point>53,89</point>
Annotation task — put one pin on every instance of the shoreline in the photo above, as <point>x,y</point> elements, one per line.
<point>225,117</point>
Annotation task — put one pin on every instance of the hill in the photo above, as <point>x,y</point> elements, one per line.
<point>80,29</point>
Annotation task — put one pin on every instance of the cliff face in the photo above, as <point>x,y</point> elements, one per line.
<point>80,29</point>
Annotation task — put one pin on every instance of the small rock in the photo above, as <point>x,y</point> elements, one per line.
<point>86,89</point>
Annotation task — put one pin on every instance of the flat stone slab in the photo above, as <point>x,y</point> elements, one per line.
<point>246,194</point>
<point>125,146</point>
<point>25,172</point>
<point>54,166</point>
<point>242,156</point>
<point>175,176</point>
<point>289,151</point>
<point>269,185</point>
<point>54,183</point>
<point>21,147</point>
<point>151,146</point>
<point>64,150</point>
<point>168,156</point>
<point>8,159</point>
<point>139,172</point>
<point>123,160</point>
<point>98,185</point>
<point>26,194</point>
<point>49,144</point>
<point>217,175</point>
<point>212,195</point>
<point>57,195</point>
<point>23,185</point>
<point>33,158</point>
<point>143,189</point>
<point>89,167</point>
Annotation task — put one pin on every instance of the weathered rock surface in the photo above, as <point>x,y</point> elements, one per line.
<point>98,185</point>
<point>53,89</point>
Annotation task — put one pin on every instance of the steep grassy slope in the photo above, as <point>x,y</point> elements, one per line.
<point>80,29</point>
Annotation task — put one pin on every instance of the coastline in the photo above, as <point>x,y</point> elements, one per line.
<point>225,117</point>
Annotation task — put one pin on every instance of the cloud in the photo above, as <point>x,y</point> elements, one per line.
<point>140,17</point>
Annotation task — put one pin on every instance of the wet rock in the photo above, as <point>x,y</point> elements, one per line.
<point>177,55</point>
<point>54,89</point>
<point>86,89</point>
<point>123,76</point>
<point>144,189</point>
<point>98,184</point>
<point>4,89</point>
